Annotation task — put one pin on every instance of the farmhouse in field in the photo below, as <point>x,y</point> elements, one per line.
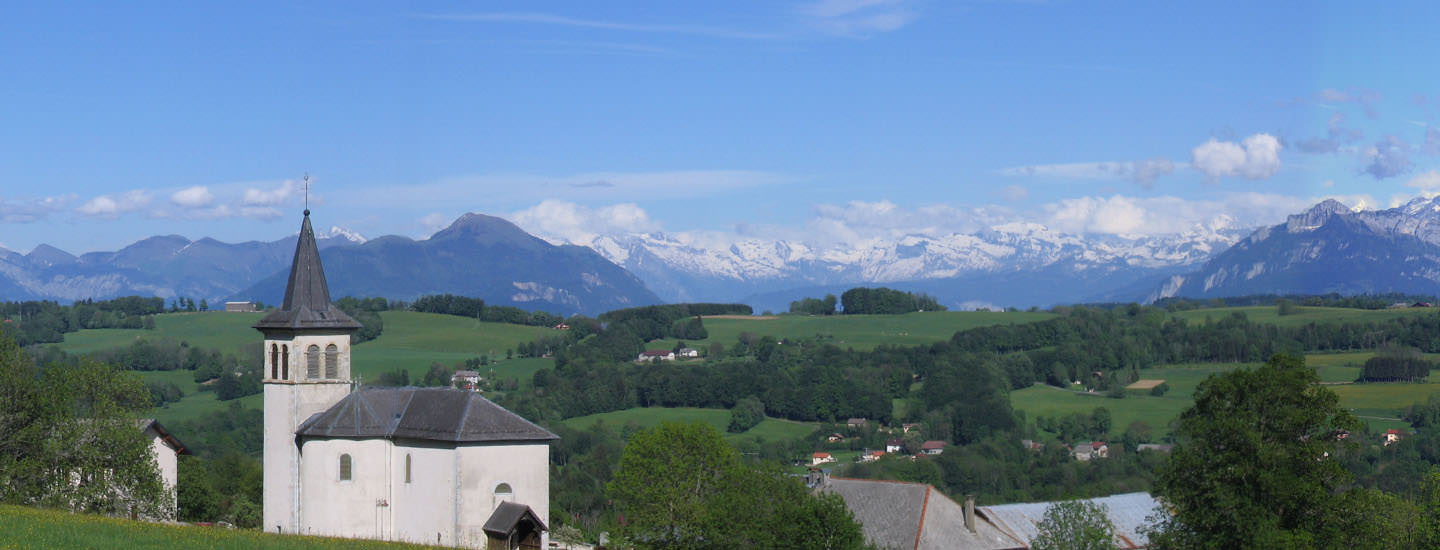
<point>932,447</point>
<point>655,355</point>
<point>466,380</point>
<point>821,458</point>
<point>424,465</point>
<point>1090,449</point>
<point>240,307</point>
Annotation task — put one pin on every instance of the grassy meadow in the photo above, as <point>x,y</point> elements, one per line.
<point>771,429</point>
<point>411,341</point>
<point>1378,404</point>
<point>862,332</point>
<point>23,528</point>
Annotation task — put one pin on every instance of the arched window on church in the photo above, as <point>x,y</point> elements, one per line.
<point>312,362</point>
<point>332,361</point>
<point>285,362</point>
<point>503,493</point>
<point>407,467</point>
<point>274,361</point>
<point>345,467</point>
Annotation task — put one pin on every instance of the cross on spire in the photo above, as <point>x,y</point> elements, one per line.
<point>307,193</point>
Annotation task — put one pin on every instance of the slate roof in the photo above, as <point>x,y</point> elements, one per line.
<point>507,517</point>
<point>307,295</point>
<point>433,414</point>
<point>165,435</point>
<point>1126,511</point>
<point>901,515</point>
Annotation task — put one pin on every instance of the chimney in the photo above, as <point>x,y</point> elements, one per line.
<point>970,512</point>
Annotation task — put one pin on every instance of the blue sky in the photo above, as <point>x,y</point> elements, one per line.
<point>830,120</point>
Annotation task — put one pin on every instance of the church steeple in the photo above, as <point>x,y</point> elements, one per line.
<point>307,295</point>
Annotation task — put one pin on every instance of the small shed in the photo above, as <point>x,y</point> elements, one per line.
<point>513,526</point>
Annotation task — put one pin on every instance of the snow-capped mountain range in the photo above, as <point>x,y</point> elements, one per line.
<point>680,268</point>
<point>1328,248</point>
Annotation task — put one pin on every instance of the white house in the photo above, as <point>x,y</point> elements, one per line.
<point>166,450</point>
<point>466,380</point>
<point>932,447</point>
<point>435,466</point>
<point>688,353</point>
<point>821,458</point>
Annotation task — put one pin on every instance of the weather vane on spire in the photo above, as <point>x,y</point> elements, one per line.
<point>307,193</point>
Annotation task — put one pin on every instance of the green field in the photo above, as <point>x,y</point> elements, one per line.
<point>1304,315</point>
<point>1379,405</point>
<point>27,528</point>
<point>411,341</point>
<point>211,329</point>
<point>862,332</point>
<point>771,429</point>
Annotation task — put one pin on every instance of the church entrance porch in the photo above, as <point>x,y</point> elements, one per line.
<point>513,526</point>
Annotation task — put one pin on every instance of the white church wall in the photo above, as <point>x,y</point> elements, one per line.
<point>524,467</point>
<point>424,509</point>
<point>356,507</point>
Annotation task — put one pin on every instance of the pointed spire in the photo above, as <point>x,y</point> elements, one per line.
<point>307,295</point>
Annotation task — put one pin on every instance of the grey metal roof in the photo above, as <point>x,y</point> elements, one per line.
<point>307,295</point>
<point>434,414</point>
<point>1126,511</point>
<point>506,518</point>
<point>890,513</point>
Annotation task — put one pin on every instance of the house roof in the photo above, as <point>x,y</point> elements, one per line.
<point>464,373</point>
<point>433,414</point>
<point>821,455</point>
<point>507,517</point>
<point>932,444</point>
<point>164,435</point>
<point>1126,511</point>
<point>902,515</point>
<point>656,352</point>
<point>307,295</point>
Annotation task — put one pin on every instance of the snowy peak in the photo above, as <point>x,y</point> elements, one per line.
<point>337,232</point>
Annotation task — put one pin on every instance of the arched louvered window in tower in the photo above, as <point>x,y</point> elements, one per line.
<point>345,467</point>
<point>312,362</point>
<point>285,362</point>
<point>332,361</point>
<point>274,361</point>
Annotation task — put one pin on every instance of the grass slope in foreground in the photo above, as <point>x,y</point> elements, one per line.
<point>27,528</point>
<point>862,332</point>
<point>771,429</point>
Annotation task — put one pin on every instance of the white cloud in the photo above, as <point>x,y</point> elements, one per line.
<point>562,221</point>
<point>1257,157</point>
<point>858,18</point>
<point>107,206</point>
<point>193,197</point>
<point>1143,172</point>
<point>270,197</point>
<point>1428,181</point>
<point>31,209</point>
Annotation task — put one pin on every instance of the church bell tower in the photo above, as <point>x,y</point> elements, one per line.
<point>306,369</point>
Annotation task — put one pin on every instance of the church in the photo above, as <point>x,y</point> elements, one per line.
<point>425,465</point>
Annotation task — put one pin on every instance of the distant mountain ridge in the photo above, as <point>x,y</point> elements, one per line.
<point>1013,264</point>
<point>480,256</point>
<point>1327,248</point>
